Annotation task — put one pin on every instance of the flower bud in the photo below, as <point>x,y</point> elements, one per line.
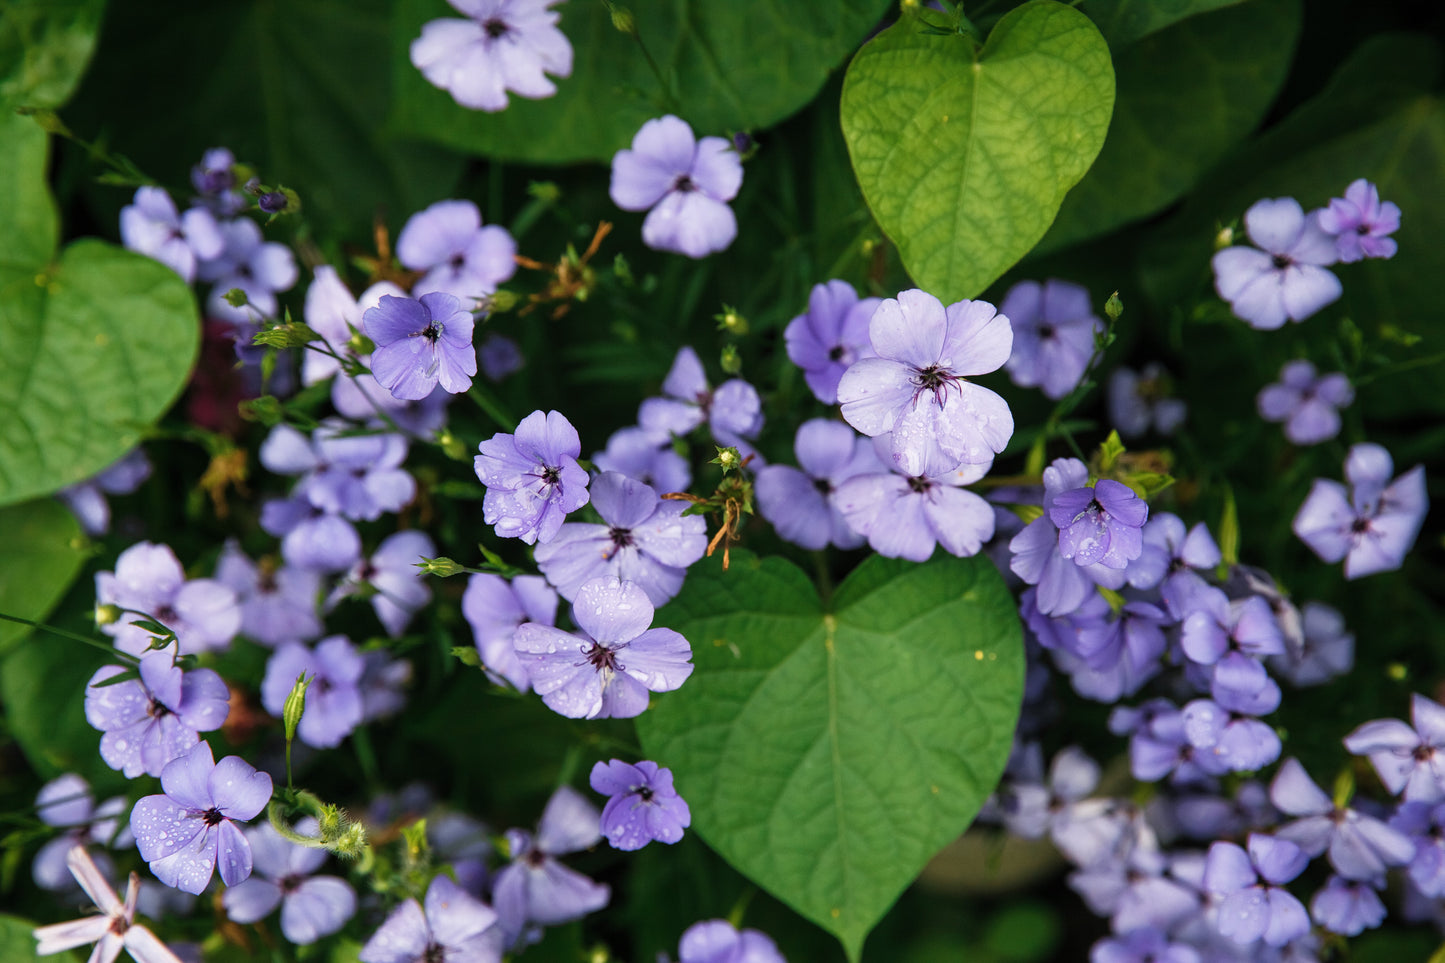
<point>1114,307</point>
<point>731,363</point>
<point>441,567</point>
<point>295,705</point>
<point>107,614</point>
<point>732,322</point>
<point>623,20</point>
<point>728,459</point>
<point>236,298</point>
<point>265,409</point>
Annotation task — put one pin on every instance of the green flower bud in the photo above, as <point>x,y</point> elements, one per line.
<point>107,614</point>
<point>441,567</point>
<point>295,705</point>
<point>1114,307</point>
<point>731,363</point>
<point>623,20</point>
<point>265,409</point>
<point>236,298</point>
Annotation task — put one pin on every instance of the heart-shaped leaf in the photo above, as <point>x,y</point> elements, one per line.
<point>43,553</point>
<point>45,46</point>
<point>964,155</point>
<point>828,751</point>
<point>97,344</point>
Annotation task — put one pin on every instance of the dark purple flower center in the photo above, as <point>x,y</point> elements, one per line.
<point>684,183</point>
<point>157,710</point>
<point>535,858</point>
<point>643,792</point>
<point>919,484</point>
<point>934,378</point>
<point>1360,526</point>
<point>1363,229</point>
<point>621,537</point>
<point>823,486</point>
<point>1424,753</point>
<point>551,475</point>
<point>166,614</point>
<point>1282,261</point>
<point>496,28</point>
<point>213,817</point>
<point>601,657</point>
<point>1047,331</point>
<point>435,953</point>
<point>836,352</point>
<point>118,925</point>
<point>432,332</point>
<point>457,262</point>
<point>290,883</point>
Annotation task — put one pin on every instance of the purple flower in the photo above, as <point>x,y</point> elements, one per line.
<point>357,476</point>
<point>149,225</point>
<point>1063,585</point>
<point>495,609</point>
<point>66,803</point>
<point>1231,636</point>
<point>608,672</point>
<point>684,184</point>
<point>532,477</point>
<point>454,926</point>
<point>644,805</point>
<point>1323,651</point>
<point>917,386</point>
<point>506,45</point>
<point>832,335</point>
<point>86,500</point>
<point>643,539</point>
<point>278,603</point>
<point>333,702</point>
<point>311,539</point>
<point>187,832</point>
<point>1306,403</point>
<point>1360,846</point>
<point>803,504</point>
<point>718,941</point>
<point>311,906</point>
<point>383,680</point>
<point>638,453</point>
<point>397,588</point>
<point>332,312</point>
<point>1054,329</point>
<point>1116,657</point>
<point>1285,281</point>
<point>215,180</point>
<point>499,356</point>
<point>906,516</point>
<point>1100,524</point>
<point>460,256</point>
<point>259,267</point>
<point>1409,759</point>
<point>111,931</point>
<point>1141,399</point>
<point>1227,736</point>
<point>1252,910</point>
<point>154,719</point>
<point>1144,945</point>
<point>734,412</point>
<point>1373,526</point>
<point>1172,560</point>
<point>1347,906</point>
<point>1425,824</point>
<point>1360,223</point>
<point>534,887</point>
<point>148,578</point>
<point>420,344</point>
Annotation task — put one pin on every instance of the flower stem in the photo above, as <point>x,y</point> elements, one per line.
<point>105,647</point>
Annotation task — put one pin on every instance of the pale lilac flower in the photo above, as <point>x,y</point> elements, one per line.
<point>1101,524</point>
<point>1054,329</point>
<point>802,503</point>
<point>534,887</point>
<point>1144,945</point>
<point>1172,560</point>
<point>420,344</point>
<point>86,500</point>
<point>150,721</point>
<point>278,603</point>
<point>1324,650</point>
<point>66,803</point>
<point>151,226</point>
<point>608,672</point>
<point>148,578</point>
<point>259,267</point>
<point>1286,281</point>
<point>333,701</point>
<point>115,929</point>
<point>1231,635</point>
<point>1360,223</point>
<point>311,538</point>
<point>832,335</point>
<point>495,609</point>
<point>1307,403</point>
<point>362,399</point>
<point>1038,560</point>
<point>638,453</point>
<point>311,906</point>
<point>1425,824</point>
<point>532,477</point>
<point>917,386</point>
<point>187,833</point>
<point>1409,759</point>
<point>460,256</point>
<point>1253,909</point>
<point>733,411</point>
<point>1226,733</point>
<point>383,683</point>
<point>397,587</point>
<point>332,312</point>
<point>684,184</point>
<point>1360,846</point>
<point>1140,400</point>
<point>1372,527</point>
<point>1349,907</point>
<point>454,927</point>
<point>357,476</point>
<point>499,356</point>
<point>718,941</point>
<point>215,180</point>
<point>643,539</point>
<point>644,805</point>
<point>505,45</point>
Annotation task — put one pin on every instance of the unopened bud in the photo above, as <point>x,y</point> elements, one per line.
<point>623,20</point>
<point>292,335</point>
<point>501,301</point>
<point>236,298</point>
<point>360,345</point>
<point>731,363</point>
<point>1224,238</point>
<point>295,705</point>
<point>728,459</point>
<point>1114,307</point>
<point>452,446</point>
<point>732,322</point>
<point>265,409</point>
<point>467,656</point>
<point>545,191</point>
<point>351,843</point>
<point>441,567</point>
<point>107,614</point>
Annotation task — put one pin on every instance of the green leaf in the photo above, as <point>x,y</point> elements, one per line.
<point>828,752</point>
<point>42,685</point>
<point>1186,95</point>
<point>731,66</point>
<point>1123,22</point>
<point>17,944</point>
<point>29,223</point>
<point>44,48</point>
<point>44,551</point>
<point>299,88</point>
<point>964,156</point>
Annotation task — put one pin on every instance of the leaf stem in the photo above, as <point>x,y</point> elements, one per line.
<point>105,647</point>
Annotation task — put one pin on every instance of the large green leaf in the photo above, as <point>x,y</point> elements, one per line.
<point>964,155</point>
<point>732,66</point>
<point>17,945</point>
<point>42,685</point>
<point>98,342</point>
<point>1186,96</point>
<point>298,87</point>
<point>44,48</point>
<point>44,551</point>
<point>828,751</point>
<point>1123,22</point>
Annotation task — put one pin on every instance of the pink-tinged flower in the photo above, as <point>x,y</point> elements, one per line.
<point>917,386</point>
<point>114,930</point>
<point>683,183</point>
<point>1373,525</point>
<point>507,45</point>
<point>1286,281</point>
<point>1361,223</point>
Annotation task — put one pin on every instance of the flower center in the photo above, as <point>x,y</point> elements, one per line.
<point>432,332</point>
<point>823,486</point>
<point>919,484</point>
<point>496,28</point>
<point>600,657</point>
<point>934,378</point>
<point>290,883</point>
<point>551,475</point>
<point>836,352</point>
<point>435,953</point>
<point>621,537</point>
<point>1281,261</point>
<point>213,816</point>
<point>644,793</point>
<point>684,183</point>
<point>1047,331</point>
